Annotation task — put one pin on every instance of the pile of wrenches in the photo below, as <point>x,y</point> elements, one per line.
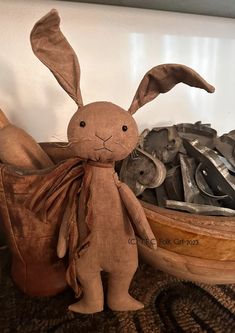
<point>186,167</point>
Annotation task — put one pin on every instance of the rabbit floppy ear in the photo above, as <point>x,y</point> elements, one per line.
<point>163,78</point>
<point>54,51</point>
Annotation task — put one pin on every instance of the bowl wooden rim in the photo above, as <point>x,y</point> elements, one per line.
<point>189,268</point>
<point>202,237</point>
<point>216,226</point>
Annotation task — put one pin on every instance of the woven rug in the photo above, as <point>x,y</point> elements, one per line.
<point>171,305</point>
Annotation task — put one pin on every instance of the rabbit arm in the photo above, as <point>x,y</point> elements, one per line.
<point>62,244</point>
<point>136,213</point>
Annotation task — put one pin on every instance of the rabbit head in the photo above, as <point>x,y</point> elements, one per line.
<point>102,131</point>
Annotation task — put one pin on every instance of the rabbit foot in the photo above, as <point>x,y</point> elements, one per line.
<point>85,307</point>
<point>125,304</point>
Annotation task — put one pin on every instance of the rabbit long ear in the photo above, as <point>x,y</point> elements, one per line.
<point>163,78</point>
<point>52,48</point>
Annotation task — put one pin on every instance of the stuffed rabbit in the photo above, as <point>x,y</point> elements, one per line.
<point>101,133</point>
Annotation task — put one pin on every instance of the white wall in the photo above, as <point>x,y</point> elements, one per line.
<point>116,46</point>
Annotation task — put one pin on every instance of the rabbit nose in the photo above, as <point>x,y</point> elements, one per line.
<point>102,138</point>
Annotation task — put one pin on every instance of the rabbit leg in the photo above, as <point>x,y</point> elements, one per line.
<point>118,297</point>
<point>93,297</point>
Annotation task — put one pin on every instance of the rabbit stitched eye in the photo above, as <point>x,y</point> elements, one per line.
<point>82,124</point>
<point>124,128</point>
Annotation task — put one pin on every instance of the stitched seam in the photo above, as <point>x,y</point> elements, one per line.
<point>9,224</point>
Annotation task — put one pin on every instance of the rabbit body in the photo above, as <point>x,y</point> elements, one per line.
<point>101,133</point>
<point>109,224</point>
<point>111,248</point>
<point>106,237</point>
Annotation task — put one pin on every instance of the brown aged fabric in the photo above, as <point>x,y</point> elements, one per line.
<point>97,229</point>
<point>57,196</point>
<point>161,79</point>
<point>32,237</point>
<point>47,42</point>
<point>34,270</point>
<point>57,151</point>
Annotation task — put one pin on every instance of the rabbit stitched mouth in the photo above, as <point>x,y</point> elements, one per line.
<point>104,140</point>
<point>104,148</point>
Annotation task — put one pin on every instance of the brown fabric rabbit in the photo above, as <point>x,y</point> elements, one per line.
<point>101,236</point>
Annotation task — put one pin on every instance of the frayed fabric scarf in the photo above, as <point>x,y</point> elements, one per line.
<point>56,196</point>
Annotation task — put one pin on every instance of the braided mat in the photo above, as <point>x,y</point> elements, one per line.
<point>171,305</point>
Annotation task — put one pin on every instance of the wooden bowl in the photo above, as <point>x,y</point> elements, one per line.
<point>193,247</point>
